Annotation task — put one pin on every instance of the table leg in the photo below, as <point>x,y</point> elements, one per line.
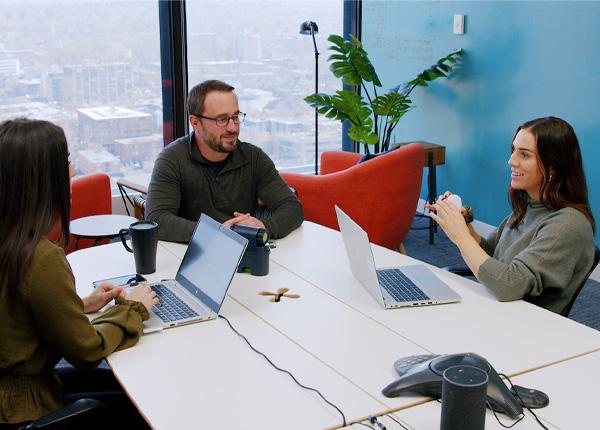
<point>432,192</point>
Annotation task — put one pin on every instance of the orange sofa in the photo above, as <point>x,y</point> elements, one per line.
<point>381,194</point>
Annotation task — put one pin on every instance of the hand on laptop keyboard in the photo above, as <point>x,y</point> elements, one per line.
<point>144,295</point>
<point>171,307</point>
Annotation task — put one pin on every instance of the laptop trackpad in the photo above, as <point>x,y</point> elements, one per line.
<point>422,277</point>
<point>431,285</point>
<point>153,324</point>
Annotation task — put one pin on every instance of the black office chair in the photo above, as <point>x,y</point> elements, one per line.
<point>567,309</point>
<point>463,270</point>
<point>83,414</point>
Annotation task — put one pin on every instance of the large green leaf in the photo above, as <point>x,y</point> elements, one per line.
<point>363,134</point>
<point>392,104</point>
<point>336,40</point>
<point>341,105</point>
<point>372,119</point>
<point>325,106</point>
<point>353,106</point>
<point>440,69</point>
<point>351,62</point>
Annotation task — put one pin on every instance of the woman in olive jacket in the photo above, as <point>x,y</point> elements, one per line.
<point>42,319</point>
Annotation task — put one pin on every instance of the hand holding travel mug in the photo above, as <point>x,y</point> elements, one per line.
<point>144,240</point>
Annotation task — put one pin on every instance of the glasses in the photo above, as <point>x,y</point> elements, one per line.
<point>222,121</point>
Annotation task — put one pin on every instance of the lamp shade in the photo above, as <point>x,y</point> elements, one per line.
<point>307,26</point>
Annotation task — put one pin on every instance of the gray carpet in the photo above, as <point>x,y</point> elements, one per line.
<point>442,253</point>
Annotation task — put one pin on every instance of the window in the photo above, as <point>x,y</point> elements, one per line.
<point>94,69</point>
<point>256,47</point>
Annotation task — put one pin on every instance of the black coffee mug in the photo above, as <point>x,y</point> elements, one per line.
<point>144,240</point>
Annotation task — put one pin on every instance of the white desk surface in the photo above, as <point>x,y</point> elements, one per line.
<point>112,260</point>
<point>428,416</point>
<point>336,358</point>
<point>205,376</point>
<point>358,347</point>
<point>570,385</point>
<point>335,338</point>
<point>515,336</point>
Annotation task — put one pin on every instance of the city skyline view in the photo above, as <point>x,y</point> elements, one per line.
<point>94,69</point>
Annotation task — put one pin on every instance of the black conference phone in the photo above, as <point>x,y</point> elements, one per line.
<point>425,378</point>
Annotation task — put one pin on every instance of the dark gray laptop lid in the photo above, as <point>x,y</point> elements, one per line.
<point>211,261</point>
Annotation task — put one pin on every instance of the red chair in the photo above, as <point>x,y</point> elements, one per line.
<point>90,195</point>
<point>381,194</point>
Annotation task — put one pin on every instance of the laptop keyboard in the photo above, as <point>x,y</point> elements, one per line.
<point>170,307</point>
<point>399,286</point>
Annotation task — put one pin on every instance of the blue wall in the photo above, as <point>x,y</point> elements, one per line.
<point>522,60</point>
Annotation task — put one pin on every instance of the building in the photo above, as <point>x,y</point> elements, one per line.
<point>97,160</point>
<point>9,67</point>
<point>136,150</point>
<point>247,47</point>
<point>100,83</point>
<point>99,127</point>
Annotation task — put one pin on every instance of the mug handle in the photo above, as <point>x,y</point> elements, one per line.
<point>122,234</point>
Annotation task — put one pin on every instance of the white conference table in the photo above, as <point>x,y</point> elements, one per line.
<point>206,370</point>
<point>571,386</point>
<point>335,338</point>
<point>514,336</point>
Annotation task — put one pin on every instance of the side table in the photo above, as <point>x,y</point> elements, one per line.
<point>435,155</point>
<point>99,227</point>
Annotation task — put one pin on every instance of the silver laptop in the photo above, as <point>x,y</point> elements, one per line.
<point>392,287</point>
<point>199,288</point>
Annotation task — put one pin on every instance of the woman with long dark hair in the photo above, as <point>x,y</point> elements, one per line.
<point>544,249</point>
<point>41,317</point>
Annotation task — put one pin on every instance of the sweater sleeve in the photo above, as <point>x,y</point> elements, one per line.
<point>164,199</point>
<point>550,259</point>
<point>62,324</point>
<point>489,243</point>
<point>286,213</point>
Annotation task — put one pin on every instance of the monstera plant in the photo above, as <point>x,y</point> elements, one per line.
<point>373,117</point>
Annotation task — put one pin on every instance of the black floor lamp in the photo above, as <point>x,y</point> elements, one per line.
<point>310,27</point>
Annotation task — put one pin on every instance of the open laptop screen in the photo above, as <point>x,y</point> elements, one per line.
<point>211,260</point>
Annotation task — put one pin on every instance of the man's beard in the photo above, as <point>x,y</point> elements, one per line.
<point>218,146</point>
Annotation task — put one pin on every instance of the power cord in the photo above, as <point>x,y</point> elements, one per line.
<point>519,397</point>
<point>396,421</point>
<point>285,371</point>
<point>373,420</point>
<point>518,419</point>
<point>498,418</point>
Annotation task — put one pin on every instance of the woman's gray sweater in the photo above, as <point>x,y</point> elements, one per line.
<point>543,260</point>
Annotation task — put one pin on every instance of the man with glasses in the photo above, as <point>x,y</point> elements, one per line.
<point>211,171</point>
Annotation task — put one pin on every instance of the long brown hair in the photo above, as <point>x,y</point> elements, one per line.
<point>563,181</point>
<point>34,194</point>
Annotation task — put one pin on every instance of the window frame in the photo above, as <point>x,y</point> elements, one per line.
<point>173,65</point>
<point>174,72</point>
